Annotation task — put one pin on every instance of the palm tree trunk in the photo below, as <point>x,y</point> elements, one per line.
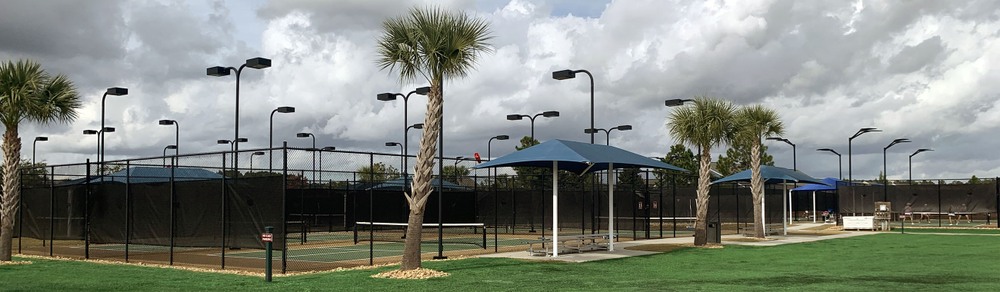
<point>423,173</point>
<point>11,190</point>
<point>757,190</point>
<point>701,223</point>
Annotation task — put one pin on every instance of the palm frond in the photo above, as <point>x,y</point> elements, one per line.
<point>757,121</point>
<point>433,43</point>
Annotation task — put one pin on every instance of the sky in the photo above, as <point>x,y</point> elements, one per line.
<point>914,69</point>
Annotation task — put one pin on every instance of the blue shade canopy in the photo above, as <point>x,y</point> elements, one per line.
<point>576,157</point>
<point>143,174</point>
<point>398,184</point>
<point>829,184</point>
<point>772,175</point>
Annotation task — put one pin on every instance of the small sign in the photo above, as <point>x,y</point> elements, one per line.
<point>266,237</point>
<point>478,159</point>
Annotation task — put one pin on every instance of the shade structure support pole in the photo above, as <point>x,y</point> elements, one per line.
<point>784,211</point>
<point>611,207</point>
<point>763,213</point>
<point>814,206</point>
<point>555,208</point>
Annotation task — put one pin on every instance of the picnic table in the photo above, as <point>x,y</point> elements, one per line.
<point>568,244</point>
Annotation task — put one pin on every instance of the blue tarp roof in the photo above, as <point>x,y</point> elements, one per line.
<point>771,175</point>
<point>829,184</point>
<point>576,157</point>
<point>144,174</point>
<point>398,183</point>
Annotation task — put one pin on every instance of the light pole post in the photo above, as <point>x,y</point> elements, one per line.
<point>165,153</point>
<point>177,135</point>
<point>270,134</point>
<point>910,163</point>
<point>232,148</point>
<point>493,184</point>
<point>607,132</point>
<point>116,91</point>
<point>570,74</point>
<point>327,148</point>
<point>305,135</point>
<point>406,108</point>
<point>885,171</point>
<point>547,114</point>
<point>394,144</point>
<point>794,165</point>
<point>256,63</point>
<point>251,158</point>
<point>850,167</point>
<point>840,164</point>
<point>35,145</point>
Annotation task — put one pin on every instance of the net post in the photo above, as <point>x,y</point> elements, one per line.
<point>267,251</point>
<point>484,237</point>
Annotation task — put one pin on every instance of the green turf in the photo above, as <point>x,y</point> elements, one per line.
<point>880,262</point>
<point>948,230</point>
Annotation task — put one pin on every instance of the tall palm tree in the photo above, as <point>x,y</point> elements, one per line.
<point>436,45</point>
<point>710,122</point>
<point>755,123</point>
<point>27,93</point>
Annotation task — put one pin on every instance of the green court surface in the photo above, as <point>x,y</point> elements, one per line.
<point>140,248</point>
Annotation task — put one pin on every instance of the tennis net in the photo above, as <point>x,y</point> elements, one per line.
<point>460,233</point>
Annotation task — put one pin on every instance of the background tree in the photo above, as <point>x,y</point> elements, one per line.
<point>754,123</point>
<point>682,157</point>
<point>455,173</point>
<point>379,172</point>
<point>435,45</point>
<point>27,93</point>
<point>531,177</point>
<point>738,158</point>
<point>708,123</point>
<point>34,175</point>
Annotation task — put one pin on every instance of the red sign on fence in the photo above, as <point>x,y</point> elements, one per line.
<point>266,237</point>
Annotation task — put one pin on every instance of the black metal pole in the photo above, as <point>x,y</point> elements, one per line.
<point>267,253</point>
<point>371,211</point>
<point>225,218</point>
<point>52,207</point>
<point>173,211</point>
<point>86,215</point>
<point>673,203</point>
<point>284,206</point>
<point>440,191</point>
<point>128,205</point>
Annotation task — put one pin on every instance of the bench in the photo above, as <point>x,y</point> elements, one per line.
<point>568,244</point>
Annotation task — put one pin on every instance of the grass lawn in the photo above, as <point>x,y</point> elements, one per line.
<point>882,262</point>
<point>950,230</point>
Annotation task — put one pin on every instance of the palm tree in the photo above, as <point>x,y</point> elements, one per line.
<point>436,45</point>
<point>710,122</point>
<point>755,123</point>
<point>27,93</point>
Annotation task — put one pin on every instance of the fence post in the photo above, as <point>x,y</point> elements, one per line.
<point>225,218</point>
<point>173,221</point>
<point>128,205</point>
<point>371,231</point>
<point>284,206</point>
<point>52,208</point>
<point>86,214</point>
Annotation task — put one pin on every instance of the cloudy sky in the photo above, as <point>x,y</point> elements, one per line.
<point>914,69</point>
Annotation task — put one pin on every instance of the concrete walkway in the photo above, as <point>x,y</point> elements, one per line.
<point>621,250</point>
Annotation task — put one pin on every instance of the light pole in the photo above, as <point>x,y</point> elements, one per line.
<point>116,91</point>
<point>394,144</point>
<point>218,71</point>
<point>910,161</point>
<point>570,74</point>
<point>99,135</point>
<point>389,96</point>
<point>607,132</point>
<point>454,167</point>
<point>493,184</point>
<point>251,158</point>
<point>547,114</point>
<point>177,135</point>
<point>676,102</point>
<point>165,153</point>
<point>840,164</point>
<point>270,134</point>
<point>327,148</point>
<point>306,135</point>
<point>232,147</point>
<point>885,171</point>
<point>406,149</point>
<point>850,167</point>
<point>34,145</point>
<point>794,165</point>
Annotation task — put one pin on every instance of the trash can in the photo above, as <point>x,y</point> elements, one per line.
<point>714,232</point>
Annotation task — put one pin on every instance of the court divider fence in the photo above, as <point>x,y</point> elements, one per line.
<point>201,210</point>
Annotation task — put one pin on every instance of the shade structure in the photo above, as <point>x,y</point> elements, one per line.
<point>579,158</point>
<point>829,184</point>
<point>774,175</point>
<point>401,183</point>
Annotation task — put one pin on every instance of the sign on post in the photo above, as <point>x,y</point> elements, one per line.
<point>266,237</point>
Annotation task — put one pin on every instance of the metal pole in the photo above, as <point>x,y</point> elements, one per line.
<point>86,216</point>
<point>225,214</point>
<point>267,254</point>
<point>173,220</point>
<point>128,205</point>
<point>284,206</point>
<point>371,218</point>
<point>52,207</point>
<point>440,191</point>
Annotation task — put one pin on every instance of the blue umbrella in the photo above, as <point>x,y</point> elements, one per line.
<point>579,158</point>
